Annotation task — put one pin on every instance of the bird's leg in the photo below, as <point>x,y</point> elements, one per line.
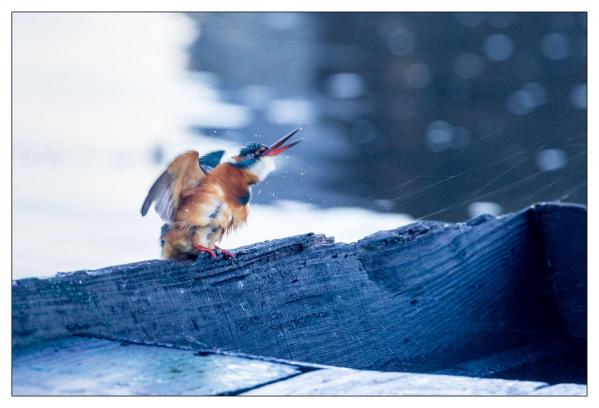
<point>201,249</point>
<point>226,254</point>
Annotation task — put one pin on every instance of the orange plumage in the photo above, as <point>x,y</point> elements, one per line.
<point>201,204</point>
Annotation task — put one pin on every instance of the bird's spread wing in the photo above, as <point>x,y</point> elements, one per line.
<point>186,171</point>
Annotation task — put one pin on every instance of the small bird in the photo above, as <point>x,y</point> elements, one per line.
<point>201,199</point>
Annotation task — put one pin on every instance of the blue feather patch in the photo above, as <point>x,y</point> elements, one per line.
<point>251,148</point>
<point>209,161</point>
<point>244,164</point>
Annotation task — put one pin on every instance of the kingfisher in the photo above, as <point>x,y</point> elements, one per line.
<point>202,199</point>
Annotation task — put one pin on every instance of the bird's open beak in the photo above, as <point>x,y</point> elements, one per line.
<point>277,147</point>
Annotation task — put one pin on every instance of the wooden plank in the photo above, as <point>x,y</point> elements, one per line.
<point>507,360</point>
<point>562,390</point>
<point>86,366</point>
<point>423,297</point>
<point>342,381</point>
<point>564,231</point>
<point>552,360</point>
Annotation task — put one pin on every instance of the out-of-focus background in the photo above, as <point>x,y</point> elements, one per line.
<point>406,116</point>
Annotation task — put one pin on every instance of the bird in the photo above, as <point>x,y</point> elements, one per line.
<point>202,199</point>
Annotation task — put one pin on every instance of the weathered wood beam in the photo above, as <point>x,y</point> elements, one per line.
<point>344,381</point>
<point>87,366</point>
<point>423,297</point>
<point>565,241</point>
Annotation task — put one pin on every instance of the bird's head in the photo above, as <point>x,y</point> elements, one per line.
<point>258,159</point>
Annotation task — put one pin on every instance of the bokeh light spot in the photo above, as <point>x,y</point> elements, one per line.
<point>255,96</point>
<point>418,75</point>
<point>282,21</point>
<point>578,96</point>
<point>498,47</point>
<point>551,159</point>
<point>555,46</point>
<point>290,111</point>
<point>526,99</point>
<point>468,66</point>
<point>401,42</point>
<point>439,135</point>
<point>345,85</point>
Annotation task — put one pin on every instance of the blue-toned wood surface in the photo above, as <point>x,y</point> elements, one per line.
<point>426,297</point>
<point>86,366</point>
<point>564,234</point>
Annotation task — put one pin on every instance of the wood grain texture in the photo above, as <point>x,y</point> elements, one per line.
<point>424,297</point>
<point>565,239</point>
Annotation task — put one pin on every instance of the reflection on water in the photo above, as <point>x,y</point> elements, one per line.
<point>438,115</point>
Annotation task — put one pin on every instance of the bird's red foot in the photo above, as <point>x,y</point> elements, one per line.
<point>201,249</point>
<point>226,254</point>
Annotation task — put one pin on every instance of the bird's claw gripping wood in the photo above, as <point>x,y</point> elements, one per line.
<point>201,249</point>
<point>212,252</point>
<point>227,254</point>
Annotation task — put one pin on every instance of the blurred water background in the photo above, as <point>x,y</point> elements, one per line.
<point>406,116</point>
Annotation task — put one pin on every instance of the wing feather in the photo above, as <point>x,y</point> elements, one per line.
<point>186,171</point>
<point>182,173</point>
<point>160,193</point>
